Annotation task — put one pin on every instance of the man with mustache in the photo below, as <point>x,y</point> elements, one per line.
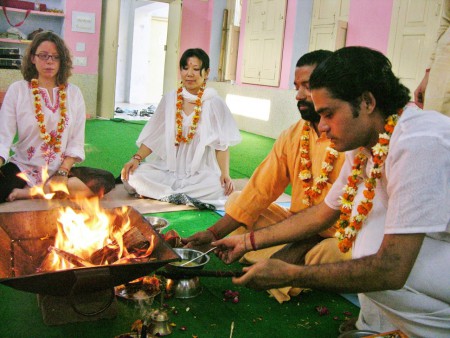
<point>302,157</point>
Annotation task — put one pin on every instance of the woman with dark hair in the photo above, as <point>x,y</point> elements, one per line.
<point>48,115</point>
<point>188,138</point>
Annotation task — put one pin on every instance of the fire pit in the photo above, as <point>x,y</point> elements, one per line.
<point>27,239</point>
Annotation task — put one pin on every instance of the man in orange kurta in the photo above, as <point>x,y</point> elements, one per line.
<point>254,207</point>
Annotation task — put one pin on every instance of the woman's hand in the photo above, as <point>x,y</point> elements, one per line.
<point>227,184</point>
<point>57,184</point>
<point>231,248</point>
<point>129,168</point>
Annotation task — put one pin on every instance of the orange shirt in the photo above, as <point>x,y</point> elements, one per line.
<point>279,168</point>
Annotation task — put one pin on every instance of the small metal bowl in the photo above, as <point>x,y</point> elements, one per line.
<point>357,333</point>
<point>157,223</point>
<point>188,254</point>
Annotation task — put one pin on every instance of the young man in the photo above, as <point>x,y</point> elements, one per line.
<point>301,156</point>
<point>392,199</point>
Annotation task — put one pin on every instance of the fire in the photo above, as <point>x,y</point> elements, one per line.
<point>40,190</point>
<point>92,236</point>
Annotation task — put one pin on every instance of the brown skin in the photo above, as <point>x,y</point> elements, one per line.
<point>396,256</point>
<point>227,224</point>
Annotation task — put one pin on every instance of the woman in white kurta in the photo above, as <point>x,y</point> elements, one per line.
<point>48,115</point>
<point>187,139</point>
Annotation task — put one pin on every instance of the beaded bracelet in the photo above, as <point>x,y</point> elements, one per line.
<point>215,235</point>
<point>252,240</point>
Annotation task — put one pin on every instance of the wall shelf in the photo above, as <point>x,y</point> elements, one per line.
<point>22,42</point>
<point>18,10</point>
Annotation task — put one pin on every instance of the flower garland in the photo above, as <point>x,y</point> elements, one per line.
<point>305,175</point>
<point>179,117</point>
<point>55,140</point>
<point>348,226</point>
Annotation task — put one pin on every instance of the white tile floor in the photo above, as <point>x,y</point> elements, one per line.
<point>129,110</point>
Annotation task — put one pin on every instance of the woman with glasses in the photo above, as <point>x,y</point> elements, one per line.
<point>48,116</point>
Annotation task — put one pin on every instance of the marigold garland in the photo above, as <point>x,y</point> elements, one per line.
<point>348,226</point>
<point>55,140</point>
<point>195,119</point>
<point>314,191</point>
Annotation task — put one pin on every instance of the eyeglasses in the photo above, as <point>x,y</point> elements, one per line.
<point>45,57</point>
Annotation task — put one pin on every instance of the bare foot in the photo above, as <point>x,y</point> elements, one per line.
<point>19,194</point>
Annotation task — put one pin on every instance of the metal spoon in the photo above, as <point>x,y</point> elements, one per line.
<point>194,259</point>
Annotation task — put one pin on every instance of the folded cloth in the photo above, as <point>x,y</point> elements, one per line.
<point>187,200</point>
<point>285,294</point>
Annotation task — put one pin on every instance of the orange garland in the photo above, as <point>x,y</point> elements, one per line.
<point>305,175</point>
<point>54,141</point>
<point>179,117</point>
<point>348,226</point>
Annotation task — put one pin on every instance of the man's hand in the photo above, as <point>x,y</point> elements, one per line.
<point>419,93</point>
<point>266,274</point>
<point>199,241</point>
<point>232,248</point>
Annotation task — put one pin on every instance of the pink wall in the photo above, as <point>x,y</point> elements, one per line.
<point>91,40</point>
<point>289,37</point>
<point>369,23</point>
<point>196,25</point>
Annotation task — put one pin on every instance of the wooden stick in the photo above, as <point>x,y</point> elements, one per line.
<point>183,273</point>
<point>71,258</point>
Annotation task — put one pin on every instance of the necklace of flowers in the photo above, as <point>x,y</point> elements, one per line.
<point>52,140</point>
<point>348,226</point>
<point>179,117</point>
<point>314,191</point>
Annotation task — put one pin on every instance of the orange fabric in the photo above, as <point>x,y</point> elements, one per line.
<point>279,169</point>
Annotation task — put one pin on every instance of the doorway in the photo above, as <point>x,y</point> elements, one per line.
<point>141,57</point>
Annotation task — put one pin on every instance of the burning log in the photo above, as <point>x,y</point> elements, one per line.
<point>133,240</point>
<point>71,258</point>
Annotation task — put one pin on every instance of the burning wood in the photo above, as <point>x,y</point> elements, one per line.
<point>91,237</point>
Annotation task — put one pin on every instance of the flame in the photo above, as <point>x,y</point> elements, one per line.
<point>82,233</point>
<point>40,189</point>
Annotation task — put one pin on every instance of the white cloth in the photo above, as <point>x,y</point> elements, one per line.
<point>31,153</point>
<point>413,197</point>
<point>188,168</point>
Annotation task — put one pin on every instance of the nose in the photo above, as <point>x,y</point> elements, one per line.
<point>323,126</point>
<point>302,94</point>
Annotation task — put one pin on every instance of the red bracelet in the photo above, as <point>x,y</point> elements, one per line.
<point>252,240</point>
<point>427,70</point>
<point>215,235</point>
<point>64,168</point>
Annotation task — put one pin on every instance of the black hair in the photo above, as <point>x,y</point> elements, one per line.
<point>198,53</point>
<point>313,58</point>
<point>352,72</point>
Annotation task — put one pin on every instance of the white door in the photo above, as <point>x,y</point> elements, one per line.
<point>328,24</point>
<point>413,30</point>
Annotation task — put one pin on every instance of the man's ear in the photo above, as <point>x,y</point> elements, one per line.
<point>369,101</point>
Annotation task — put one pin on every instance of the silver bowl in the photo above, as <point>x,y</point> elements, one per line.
<point>157,223</point>
<point>357,333</point>
<point>187,255</point>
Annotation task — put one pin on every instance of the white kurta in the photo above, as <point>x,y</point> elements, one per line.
<point>191,168</point>
<point>31,153</point>
<point>412,197</point>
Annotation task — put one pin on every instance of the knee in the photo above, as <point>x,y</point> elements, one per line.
<point>327,251</point>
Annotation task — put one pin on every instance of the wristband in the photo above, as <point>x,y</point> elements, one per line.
<point>137,157</point>
<point>252,240</point>
<point>64,168</point>
<point>215,235</point>
<point>62,173</point>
